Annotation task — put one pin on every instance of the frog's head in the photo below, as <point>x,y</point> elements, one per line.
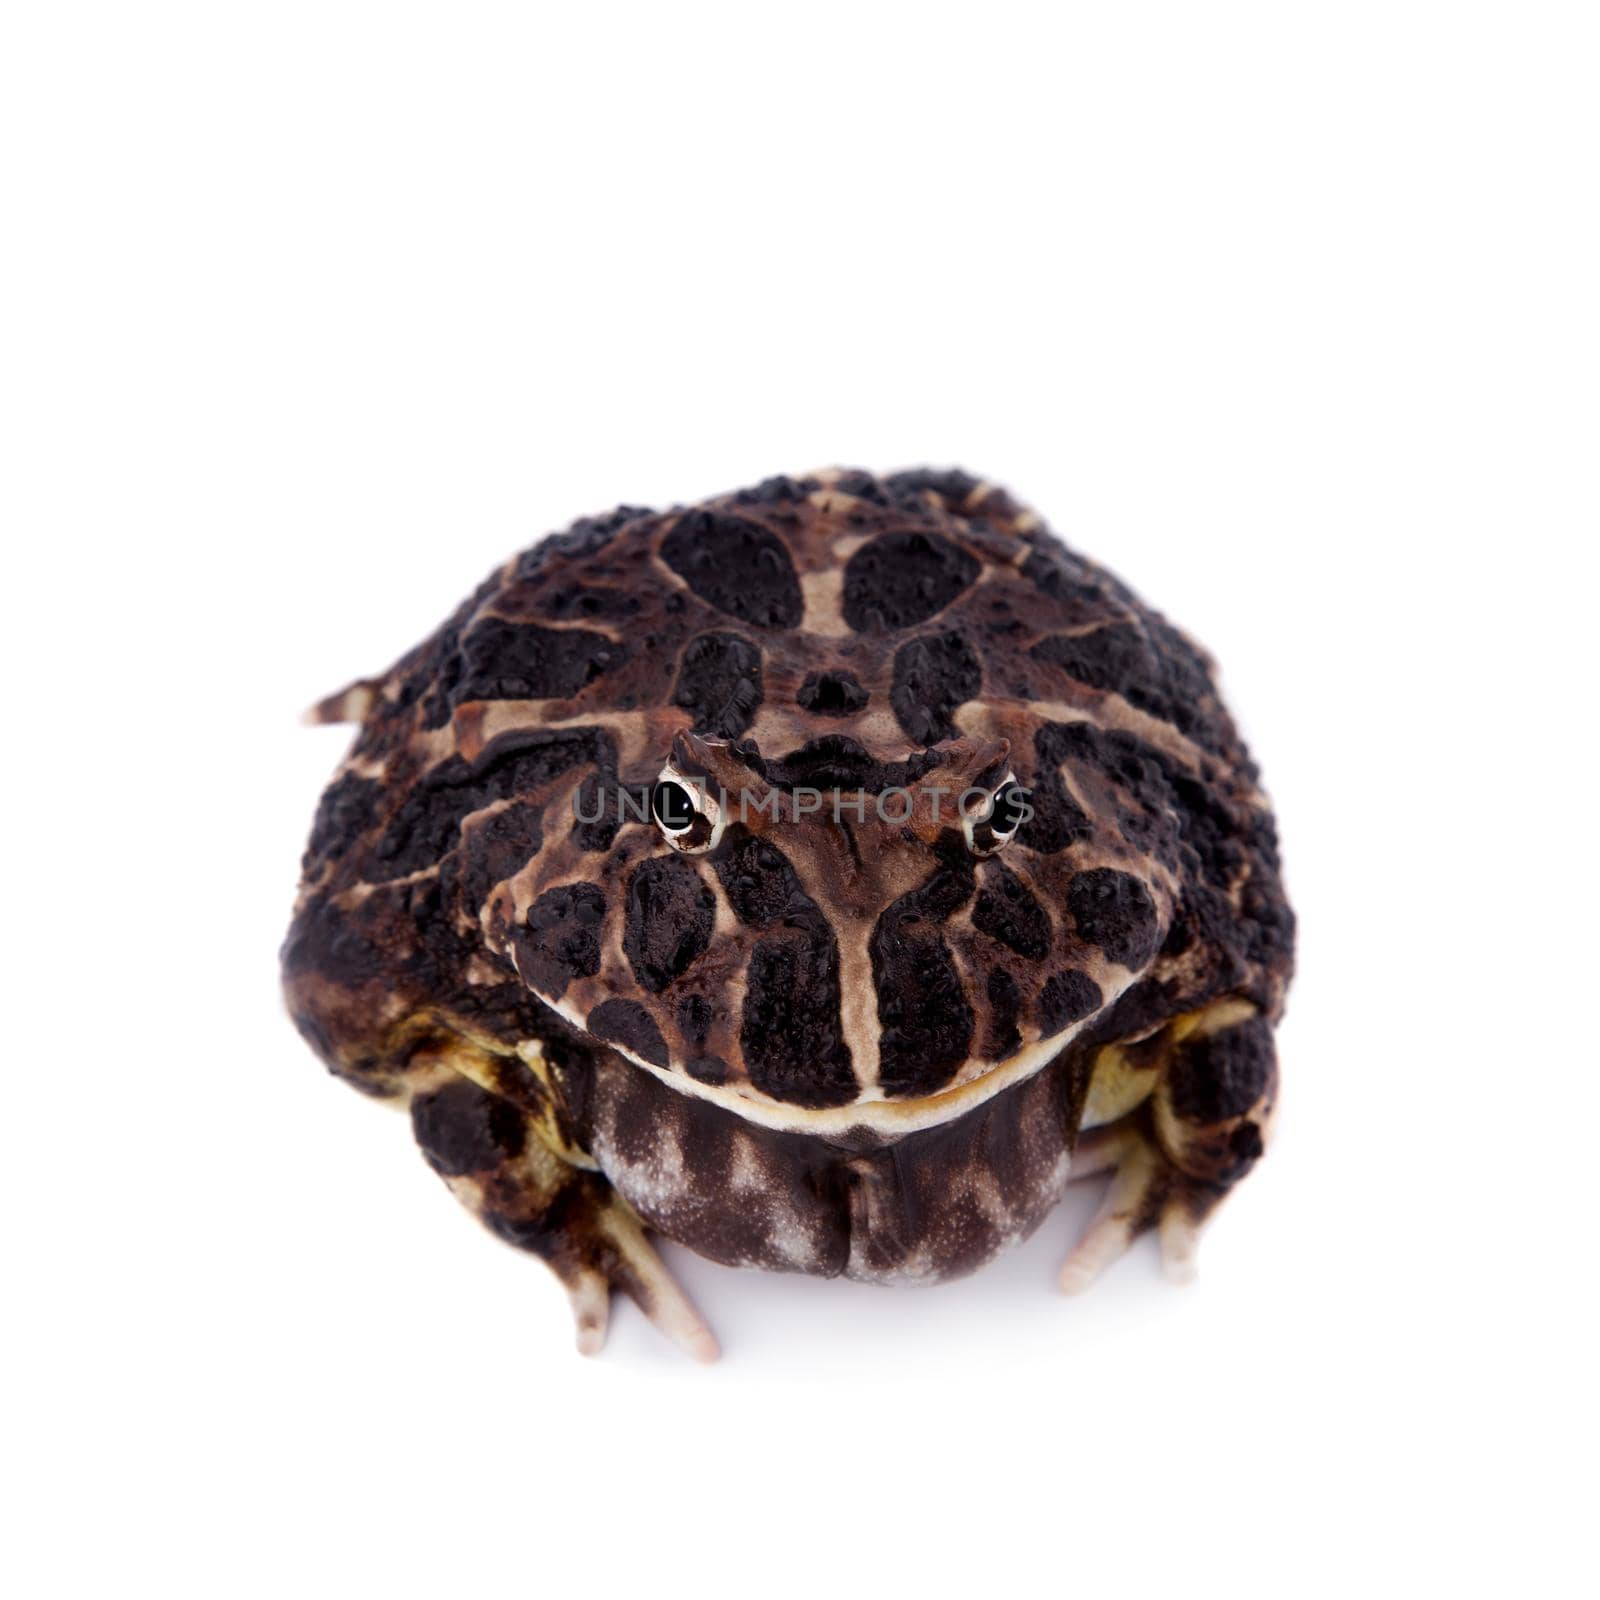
<point>818,938</point>
<point>792,725</point>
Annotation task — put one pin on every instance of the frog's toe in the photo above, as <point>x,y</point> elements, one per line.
<point>1146,1191</point>
<point>590,1295</point>
<point>1178,1233</point>
<point>1125,1212</point>
<point>638,1270</point>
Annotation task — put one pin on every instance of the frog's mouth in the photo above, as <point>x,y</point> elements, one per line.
<point>874,1112</point>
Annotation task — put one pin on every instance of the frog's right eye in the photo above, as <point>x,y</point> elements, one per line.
<point>689,818</point>
<point>673,807</point>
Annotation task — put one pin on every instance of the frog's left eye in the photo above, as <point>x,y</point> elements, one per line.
<point>990,822</point>
<point>689,818</point>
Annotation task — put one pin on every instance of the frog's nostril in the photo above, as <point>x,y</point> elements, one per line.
<point>832,694</point>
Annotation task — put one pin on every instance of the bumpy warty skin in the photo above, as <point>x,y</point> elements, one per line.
<point>831,1042</point>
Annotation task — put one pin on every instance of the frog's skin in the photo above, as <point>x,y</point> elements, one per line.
<point>818,1042</point>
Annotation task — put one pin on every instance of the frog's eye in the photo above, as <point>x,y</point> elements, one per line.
<point>689,818</point>
<point>990,821</point>
<point>672,805</point>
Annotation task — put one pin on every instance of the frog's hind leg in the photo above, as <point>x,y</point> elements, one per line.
<point>500,1159</point>
<point>1177,1154</point>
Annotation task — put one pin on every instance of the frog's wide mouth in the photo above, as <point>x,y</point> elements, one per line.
<point>874,1112</point>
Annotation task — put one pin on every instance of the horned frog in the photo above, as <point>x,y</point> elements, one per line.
<point>819,876</point>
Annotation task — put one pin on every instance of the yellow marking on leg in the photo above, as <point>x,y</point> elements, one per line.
<point>1116,1086</point>
<point>1211,1019</point>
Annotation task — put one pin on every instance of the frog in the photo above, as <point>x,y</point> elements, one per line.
<point>820,877</point>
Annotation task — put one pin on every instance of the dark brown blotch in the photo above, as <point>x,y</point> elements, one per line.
<point>1067,997</point>
<point>757,878</point>
<point>719,684</point>
<point>1001,1036</point>
<point>925,1019</point>
<point>560,939</point>
<point>627,1024</point>
<point>1058,821</point>
<point>668,917</point>
<point>1009,914</point>
<point>791,1034</point>
<point>933,678</point>
<point>495,849</point>
<point>832,694</point>
<point>521,661</point>
<point>1113,911</point>
<point>737,566</point>
<point>463,1128</point>
<point>900,579</point>
<point>1222,1075</point>
<point>349,806</point>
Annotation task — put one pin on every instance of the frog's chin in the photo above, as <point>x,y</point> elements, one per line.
<point>873,1112</point>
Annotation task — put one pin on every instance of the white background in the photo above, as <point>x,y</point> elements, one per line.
<point>312,313</point>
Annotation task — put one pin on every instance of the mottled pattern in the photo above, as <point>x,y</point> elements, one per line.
<point>933,678</point>
<point>841,1044</point>
<point>933,1204</point>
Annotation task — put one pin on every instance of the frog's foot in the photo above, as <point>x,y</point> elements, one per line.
<point>617,1255</point>
<point>1146,1191</point>
<point>1177,1154</point>
<point>497,1162</point>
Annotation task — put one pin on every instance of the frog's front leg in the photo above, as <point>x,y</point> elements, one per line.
<point>501,1160</point>
<point>1198,1126</point>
